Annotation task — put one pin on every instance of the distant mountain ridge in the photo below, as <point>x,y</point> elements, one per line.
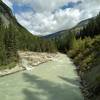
<point>62,33</point>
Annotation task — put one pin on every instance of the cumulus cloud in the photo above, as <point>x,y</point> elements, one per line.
<point>47,16</point>
<point>45,23</point>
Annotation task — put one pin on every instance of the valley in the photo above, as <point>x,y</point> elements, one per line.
<point>61,66</point>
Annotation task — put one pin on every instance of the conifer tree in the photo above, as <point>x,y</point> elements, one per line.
<point>2,45</point>
<point>10,44</point>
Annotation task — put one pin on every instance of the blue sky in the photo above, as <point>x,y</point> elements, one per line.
<point>21,8</point>
<point>42,17</point>
<point>24,8</point>
<point>71,5</point>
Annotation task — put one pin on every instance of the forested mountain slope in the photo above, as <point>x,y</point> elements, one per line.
<point>64,33</point>
<point>63,37</point>
<point>14,37</point>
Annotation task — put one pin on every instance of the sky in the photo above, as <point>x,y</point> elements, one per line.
<point>43,17</point>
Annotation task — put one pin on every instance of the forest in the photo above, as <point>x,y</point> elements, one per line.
<point>15,38</point>
<point>82,47</point>
<point>85,52</point>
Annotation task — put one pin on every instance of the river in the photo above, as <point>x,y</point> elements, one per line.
<point>53,80</point>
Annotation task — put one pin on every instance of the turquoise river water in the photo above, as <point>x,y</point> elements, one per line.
<point>54,80</point>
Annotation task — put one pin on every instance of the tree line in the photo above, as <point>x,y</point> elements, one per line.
<point>91,29</point>
<point>15,37</point>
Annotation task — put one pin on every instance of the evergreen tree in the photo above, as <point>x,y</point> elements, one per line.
<point>10,44</point>
<point>2,45</point>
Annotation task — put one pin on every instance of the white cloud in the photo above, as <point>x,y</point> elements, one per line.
<point>89,8</point>
<point>8,3</point>
<point>48,18</point>
<point>45,23</point>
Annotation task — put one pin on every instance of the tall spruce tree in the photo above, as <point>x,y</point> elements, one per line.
<point>2,45</point>
<point>10,44</point>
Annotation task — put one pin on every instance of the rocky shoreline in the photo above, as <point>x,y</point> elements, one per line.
<point>11,71</point>
<point>28,61</point>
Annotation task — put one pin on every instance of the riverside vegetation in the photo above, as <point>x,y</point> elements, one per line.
<point>82,45</point>
<point>85,52</point>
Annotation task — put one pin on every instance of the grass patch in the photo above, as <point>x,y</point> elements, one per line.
<point>8,66</point>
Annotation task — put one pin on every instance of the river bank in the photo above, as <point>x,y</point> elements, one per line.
<point>90,80</point>
<point>29,60</point>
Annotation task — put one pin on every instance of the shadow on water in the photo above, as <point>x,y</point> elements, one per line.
<point>71,81</point>
<point>41,89</point>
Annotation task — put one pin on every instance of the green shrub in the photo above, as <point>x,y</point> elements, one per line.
<point>98,79</point>
<point>8,66</point>
<point>73,53</point>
